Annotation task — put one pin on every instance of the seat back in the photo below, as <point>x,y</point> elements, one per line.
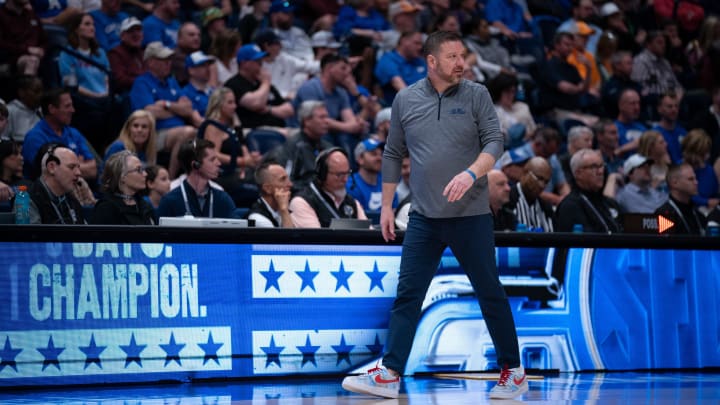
<point>264,140</point>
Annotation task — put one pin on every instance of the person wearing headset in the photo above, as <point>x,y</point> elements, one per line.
<point>194,196</point>
<point>326,197</point>
<point>51,195</point>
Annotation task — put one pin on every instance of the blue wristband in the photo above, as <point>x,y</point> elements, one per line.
<point>470,172</point>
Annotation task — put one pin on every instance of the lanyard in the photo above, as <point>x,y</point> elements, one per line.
<point>597,214</point>
<point>187,205</point>
<point>682,217</point>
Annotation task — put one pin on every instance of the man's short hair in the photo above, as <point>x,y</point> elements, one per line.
<point>331,58</point>
<point>52,97</point>
<point>578,157</point>
<point>547,135</point>
<point>601,124</point>
<point>307,108</point>
<point>618,57</point>
<point>577,131</point>
<point>559,37</point>
<point>192,153</point>
<point>262,173</point>
<point>436,39</point>
<point>674,172</point>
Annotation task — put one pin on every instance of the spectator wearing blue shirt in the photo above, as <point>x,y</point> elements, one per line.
<point>198,65</point>
<point>108,20</point>
<point>57,108</point>
<point>606,134</point>
<point>629,127</point>
<point>158,92</point>
<point>509,17</point>
<point>365,185</point>
<point>194,196</point>
<point>334,87</point>
<point>56,12</point>
<point>359,18</point>
<point>402,67</point>
<point>163,24</point>
<point>668,109</point>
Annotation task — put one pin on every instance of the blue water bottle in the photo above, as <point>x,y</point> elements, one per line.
<point>22,206</point>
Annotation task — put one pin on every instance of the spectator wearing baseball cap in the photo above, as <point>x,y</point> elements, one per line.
<point>366,184</point>
<point>108,23</point>
<point>198,65</point>
<point>323,43</point>
<point>126,59</point>
<point>159,93</point>
<point>637,195</point>
<point>582,59</point>
<point>288,72</point>
<point>294,39</point>
<point>214,21</point>
<point>403,18</point>
<point>259,103</point>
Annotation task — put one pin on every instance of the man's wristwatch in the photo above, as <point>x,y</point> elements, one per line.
<point>167,105</point>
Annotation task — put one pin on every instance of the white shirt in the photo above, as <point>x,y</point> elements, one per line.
<point>289,72</point>
<point>21,119</point>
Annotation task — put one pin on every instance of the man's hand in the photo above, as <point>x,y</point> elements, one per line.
<point>282,197</point>
<point>458,186</point>
<point>387,223</point>
<point>6,192</point>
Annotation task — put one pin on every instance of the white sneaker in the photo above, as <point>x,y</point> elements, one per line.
<point>512,383</point>
<point>378,382</point>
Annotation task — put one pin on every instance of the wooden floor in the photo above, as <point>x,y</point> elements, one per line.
<point>608,388</point>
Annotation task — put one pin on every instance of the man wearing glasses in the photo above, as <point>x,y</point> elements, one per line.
<point>586,206</point>
<point>326,197</point>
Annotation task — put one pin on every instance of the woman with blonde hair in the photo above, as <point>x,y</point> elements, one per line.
<point>653,146</point>
<point>223,128</point>
<point>138,135</point>
<point>696,152</point>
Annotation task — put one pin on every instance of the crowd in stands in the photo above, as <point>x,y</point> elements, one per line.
<point>125,111</point>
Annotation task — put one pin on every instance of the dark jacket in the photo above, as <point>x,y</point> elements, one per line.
<point>594,211</point>
<point>324,206</point>
<point>691,222</point>
<point>111,210</point>
<point>56,210</point>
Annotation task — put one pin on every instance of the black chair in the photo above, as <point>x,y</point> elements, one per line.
<point>264,140</point>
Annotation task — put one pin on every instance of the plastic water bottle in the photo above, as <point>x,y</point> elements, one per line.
<point>22,206</point>
<point>520,92</point>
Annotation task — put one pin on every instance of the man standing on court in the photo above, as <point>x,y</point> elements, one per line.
<point>451,130</point>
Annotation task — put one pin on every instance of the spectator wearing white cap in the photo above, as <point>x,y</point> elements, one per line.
<point>108,23</point>
<point>614,22</point>
<point>323,43</point>
<point>366,184</point>
<point>382,123</point>
<point>126,59</point>
<point>198,66</point>
<point>159,93</point>
<point>637,195</point>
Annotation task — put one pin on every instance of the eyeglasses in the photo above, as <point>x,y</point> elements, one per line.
<point>340,175</point>
<point>538,178</point>
<point>594,166</point>
<point>139,169</point>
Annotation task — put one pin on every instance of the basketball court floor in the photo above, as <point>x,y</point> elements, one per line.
<point>579,388</point>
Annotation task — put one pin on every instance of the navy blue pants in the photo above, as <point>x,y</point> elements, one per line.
<point>471,241</point>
